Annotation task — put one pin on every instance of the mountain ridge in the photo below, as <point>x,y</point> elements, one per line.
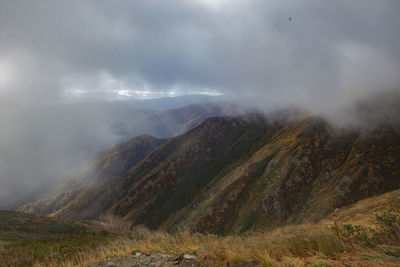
<point>234,174</point>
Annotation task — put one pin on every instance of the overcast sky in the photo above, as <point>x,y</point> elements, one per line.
<point>286,51</point>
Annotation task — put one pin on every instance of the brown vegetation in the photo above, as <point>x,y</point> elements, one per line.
<point>333,242</point>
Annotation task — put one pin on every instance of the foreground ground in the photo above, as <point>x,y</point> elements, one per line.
<point>150,259</point>
<point>364,234</point>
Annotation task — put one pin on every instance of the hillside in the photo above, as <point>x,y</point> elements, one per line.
<point>113,162</point>
<point>173,122</point>
<point>16,226</point>
<point>46,143</point>
<point>231,175</point>
<point>361,234</point>
<point>108,165</point>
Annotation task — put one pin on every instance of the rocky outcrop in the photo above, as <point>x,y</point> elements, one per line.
<point>151,260</point>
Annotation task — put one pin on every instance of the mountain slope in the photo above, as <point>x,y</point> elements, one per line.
<point>108,165</point>
<point>44,143</point>
<point>173,122</point>
<point>361,234</point>
<point>301,175</point>
<point>183,166</point>
<point>16,226</point>
<point>97,198</point>
<point>230,175</point>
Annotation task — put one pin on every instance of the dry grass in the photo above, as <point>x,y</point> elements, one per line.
<point>362,212</point>
<point>376,242</point>
<point>294,245</point>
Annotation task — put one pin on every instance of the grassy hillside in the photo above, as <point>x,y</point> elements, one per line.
<point>108,165</point>
<point>16,226</point>
<point>232,175</point>
<point>301,174</point>
<point>365,233</point>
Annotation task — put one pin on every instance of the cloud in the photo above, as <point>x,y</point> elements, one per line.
<point>240,47</point>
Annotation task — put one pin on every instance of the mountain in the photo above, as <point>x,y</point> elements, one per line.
<point>172,122</point>
<point>233,174</point>
<point>176,102</point>
<point>43,144</point>
<point>113,162</point>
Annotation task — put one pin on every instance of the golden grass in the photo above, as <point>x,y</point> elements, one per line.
<point>362,212</point>
<point>296,245</point>
<point>300,245</point>
<point>292,245</point>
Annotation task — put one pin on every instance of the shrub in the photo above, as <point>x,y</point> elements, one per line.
<point>389,227</point>
<point>355,234</point>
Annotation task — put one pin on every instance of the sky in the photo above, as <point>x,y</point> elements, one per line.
<point>319,55</point>
<point>284,51</point>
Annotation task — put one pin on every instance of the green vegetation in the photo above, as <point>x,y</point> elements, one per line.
<point>179,256</point>
<point>385,231</point>
<point>56,251</point>
<point>16,226</point>
<point>300,244</point>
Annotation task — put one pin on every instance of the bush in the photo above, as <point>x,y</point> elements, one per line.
<point>389,227</point>
<point>386,232</point>
<point>355,234</point>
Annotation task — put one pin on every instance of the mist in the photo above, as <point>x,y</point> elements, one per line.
<point>40,145</point>
<point>56,57</point>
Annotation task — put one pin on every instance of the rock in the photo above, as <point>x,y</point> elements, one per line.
<point>159,263</point>
<point>149,260</point>
<point>165,255</point>
<point>188,256</point>
<point>146,262</point>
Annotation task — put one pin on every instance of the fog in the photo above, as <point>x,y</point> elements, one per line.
<point>41,144</point>
<point>322,56</point>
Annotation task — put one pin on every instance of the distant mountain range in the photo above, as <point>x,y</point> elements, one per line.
<point>42,144</point>
<point>232,174</point>
<point>164,103</point>
<point>173,122</point>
